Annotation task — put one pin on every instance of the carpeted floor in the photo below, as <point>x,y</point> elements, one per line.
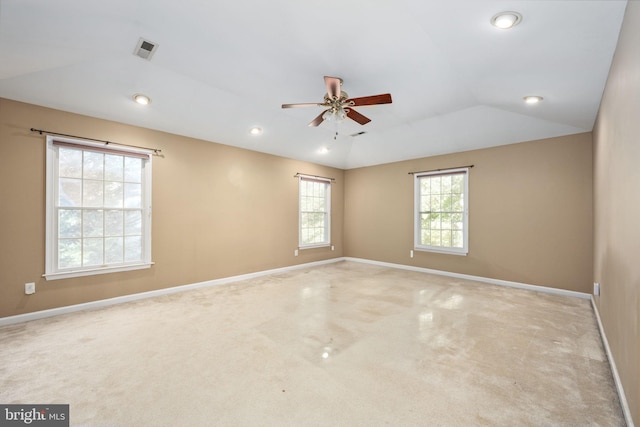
<point>344,344</point>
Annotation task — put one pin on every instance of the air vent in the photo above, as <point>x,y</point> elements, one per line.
<point>145,49</point>
<point>358,133</point>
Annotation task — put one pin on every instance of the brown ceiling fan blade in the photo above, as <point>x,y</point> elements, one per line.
<point>318,119</point>
<point>303,104</point>
<point>354,115</point>
<point>333,86</point>
<point>384,98</point>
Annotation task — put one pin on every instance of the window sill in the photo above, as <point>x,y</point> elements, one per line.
<point>460,252</point>
<point>321,245</point>
<point>90,272</point>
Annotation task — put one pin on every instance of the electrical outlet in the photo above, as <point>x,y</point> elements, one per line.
<point>295,253</point>
<point>411,253</point>
<point>333,248</point>
<point>596,288</point>
<point>29,288</point>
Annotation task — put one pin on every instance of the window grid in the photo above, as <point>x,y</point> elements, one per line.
<point>98,209</point>
<point>314,212</point>
<point>441,211</point>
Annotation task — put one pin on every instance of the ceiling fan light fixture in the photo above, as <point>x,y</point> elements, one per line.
<point>142,99</point>
<point>506,20</point>
<point>532,99</point>
<point>335,114</point>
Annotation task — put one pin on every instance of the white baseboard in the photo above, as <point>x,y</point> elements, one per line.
<point>182,288</point>
<point>616,377</point>
<point>499,282</point>
<point>10,320</point>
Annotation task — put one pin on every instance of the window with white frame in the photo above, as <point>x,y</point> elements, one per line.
<point>315,212</point>
<point>441,211</point>
<point>98,208</point>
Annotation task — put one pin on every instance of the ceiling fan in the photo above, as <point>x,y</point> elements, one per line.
<point>338,104</point>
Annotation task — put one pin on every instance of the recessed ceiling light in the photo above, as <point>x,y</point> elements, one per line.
<point>532,99</point>
<point>142,99</point>
<point>324,150</point>
<point>255,131</point>
<point>506,20</point>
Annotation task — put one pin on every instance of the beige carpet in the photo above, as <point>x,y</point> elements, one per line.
<point>344,344</point>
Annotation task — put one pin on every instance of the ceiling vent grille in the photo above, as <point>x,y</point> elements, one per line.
<point>145,49</point>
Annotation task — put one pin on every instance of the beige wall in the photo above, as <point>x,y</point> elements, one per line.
<point>218,211</point>
<point>617,207</point>
<point>530,213</point>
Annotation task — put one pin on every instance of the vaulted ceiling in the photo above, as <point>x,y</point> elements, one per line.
<point>223,67</point>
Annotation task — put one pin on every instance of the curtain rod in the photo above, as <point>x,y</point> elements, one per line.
<point>443,169</point>
<point>313,176</point>
<point>41,131</point>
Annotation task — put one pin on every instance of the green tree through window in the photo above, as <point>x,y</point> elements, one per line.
<point>441,211</point>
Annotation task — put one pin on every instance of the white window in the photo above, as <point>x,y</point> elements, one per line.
<point>315,212</point>
<point>98,208</point>
<point>441,211</point>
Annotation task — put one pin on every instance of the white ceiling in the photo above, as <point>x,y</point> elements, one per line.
<point>224,66</point>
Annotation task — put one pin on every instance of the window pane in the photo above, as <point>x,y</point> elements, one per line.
<point>93,165</point>
<point>440,210</point>
<point>132,248</point>
<point>92,223</point>
<point>457,239</point>
<point>446,238</point>
<point>132,223</point>
<point>113,194</point>
<point>425,204</point>
<point>425,236</point>
<point>69,223</point>
<point>92,251</point>
<point>132,169</point>
<point>113,168</point>
<point>425,185</point>
<point>132,195</point>
<point>92,194</point>
<point>113,250</point>
<point>318,204</point>
<point>457,183</point>
<point>318,235</point>
<point>446,184</point>
<point>114,223</point>
<point>435,222</point>
<point>69,253</point>
<point>435,238</point>
<point>70,163</point>
<point>446,203</point>
<point>70,192</point>
<point>456,202</point>
<point>425,223</point>
<point>445,221</point>
<point>435,203</point>
<point>456,221</point>
<point>435,185</point>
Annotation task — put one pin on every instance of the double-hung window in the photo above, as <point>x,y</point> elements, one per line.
<point>441,211</point>
<point>315,212</point>
<point>98,208</point>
